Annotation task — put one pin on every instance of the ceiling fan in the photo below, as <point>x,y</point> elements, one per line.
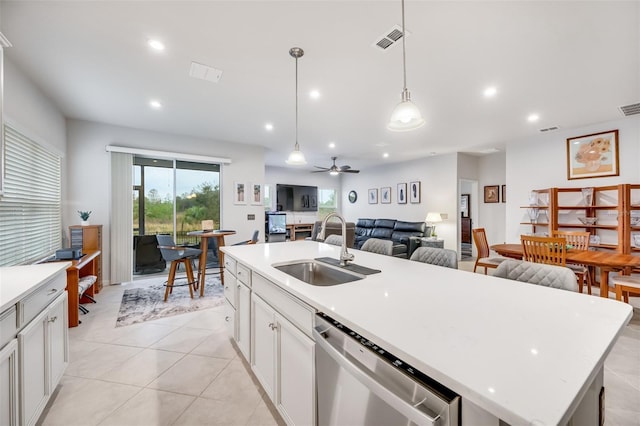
<point>335,170</point>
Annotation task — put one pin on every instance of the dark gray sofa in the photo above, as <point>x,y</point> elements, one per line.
<point>398,231</point>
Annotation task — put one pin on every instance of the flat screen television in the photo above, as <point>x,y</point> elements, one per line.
<point>296,198</point>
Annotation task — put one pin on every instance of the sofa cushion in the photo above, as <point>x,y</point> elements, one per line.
<point>365,223</point>
<point>385,223</point>
<point>382,233</point>
<point>409,226</point>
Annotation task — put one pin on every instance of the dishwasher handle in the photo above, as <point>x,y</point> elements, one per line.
<point>404,407</point>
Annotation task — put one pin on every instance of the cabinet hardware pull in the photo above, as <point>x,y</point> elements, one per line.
<point>53,319</point>
<point>238,285</point>
<point>52,291</point>
<point>227,319</point>
<point>272,326</point>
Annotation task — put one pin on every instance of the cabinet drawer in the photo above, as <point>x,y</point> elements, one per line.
<point>231,290</point>
<point>295,310</point>
<point>243,274</point>
<point>33,304</point>
<point>8,325</point>
<point>230,265</point>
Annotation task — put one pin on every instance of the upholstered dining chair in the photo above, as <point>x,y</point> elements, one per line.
<point>436,256</point>
<point>177,255</point>
<point>547,250</point>
<point>536,273</point>
<point>580,241</point>
<point>482,247</point>
<point>376,245</point>
<point>253,240</point>
<point>334,239</point>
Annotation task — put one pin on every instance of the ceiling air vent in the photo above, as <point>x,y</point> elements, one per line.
<point>205,72</point>
<point>548,129</point>
<point>389,38</point>
<point>632,109</point>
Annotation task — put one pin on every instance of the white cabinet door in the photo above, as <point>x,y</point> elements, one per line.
<point>295,374</point>
<point>244,319</point>
<point>58,340</point>
<point>9,384</point>
<point>263,343</point>
<point>230,318</point>
<point>32,350</point>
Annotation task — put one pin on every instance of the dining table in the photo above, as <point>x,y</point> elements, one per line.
<point>606,261</point>
<point>204,246</point>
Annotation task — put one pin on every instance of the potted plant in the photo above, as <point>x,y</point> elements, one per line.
<point>84,216</point>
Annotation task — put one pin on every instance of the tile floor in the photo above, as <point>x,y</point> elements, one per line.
<point>183,370</point>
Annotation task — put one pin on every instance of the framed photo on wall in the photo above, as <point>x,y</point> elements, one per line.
<point>373,196</point>
<point>256,194</point>
<point>465,209</point>
<point>402,193</point>
<point>594,155</point>
<point>504,193</point>
<point>492,194</point>
<point>414,192</point>
<point>385,195</point>
<point>239,193</point>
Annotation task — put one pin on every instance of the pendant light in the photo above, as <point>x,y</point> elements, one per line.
<point>406,115</point>
<point>296,157</point>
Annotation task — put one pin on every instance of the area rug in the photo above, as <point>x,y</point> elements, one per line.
<point>147,303</point>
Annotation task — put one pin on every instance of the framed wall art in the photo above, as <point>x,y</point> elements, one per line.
<point>492,194</point>
<point>256,194</point>
<point>373,196</point>
<point>465,208</point>
<point>402,193</point>
<point>414,192</point>
<point>239,193</point>
<point>385,195</point>
<point>594,155</point>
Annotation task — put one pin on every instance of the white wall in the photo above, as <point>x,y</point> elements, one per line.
<point>541,162</point>
<point>89,173</point>
<point>491,216</point>
<point>439,193</point>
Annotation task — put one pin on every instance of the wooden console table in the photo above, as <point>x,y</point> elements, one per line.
<point>86,265</point>
<point>296,228</point>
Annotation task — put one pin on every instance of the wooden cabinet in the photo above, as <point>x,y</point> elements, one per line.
<point>89,238</point>
<point>9,385</point>
<point>611,213</point>
<point>43,353</point>
<point>465,230</point>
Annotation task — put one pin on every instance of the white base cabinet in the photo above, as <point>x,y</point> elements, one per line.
<point>44,355</point>
<point>243,318</point>
<point>9,387</point>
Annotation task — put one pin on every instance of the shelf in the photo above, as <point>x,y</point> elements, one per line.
<point>587,207</point>
<point>534,224</point>
<point>534,207</point>
<point>579,225</point>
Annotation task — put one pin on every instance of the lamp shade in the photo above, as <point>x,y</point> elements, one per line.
<point>433,217</point>
<point>296,157</point>
<point>406,116</point>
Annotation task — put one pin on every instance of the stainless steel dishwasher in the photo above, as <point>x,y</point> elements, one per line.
<point>360,383</point>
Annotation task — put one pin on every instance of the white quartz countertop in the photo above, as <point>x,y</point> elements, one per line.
<point>524,353</point>
<point>16,282</point>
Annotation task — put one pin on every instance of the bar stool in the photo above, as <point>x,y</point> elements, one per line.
<point>177,255</point>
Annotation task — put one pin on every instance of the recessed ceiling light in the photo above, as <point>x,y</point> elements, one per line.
<point>490,92</point>
<point>332,145</point>
<point>314,94</point>
<point>156,45</point>
<point>155,104</point>
<point>268,126</point>
<point>533,118</point>
<point>385,155</point>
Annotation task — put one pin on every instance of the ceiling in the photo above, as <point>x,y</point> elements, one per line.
<point>571,62</point>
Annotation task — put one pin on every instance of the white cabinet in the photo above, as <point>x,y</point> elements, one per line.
<point>43,353</point>
<point>283,361</point>
<point>237,292</point>
<point>243,317</point>
<point>9,388</point>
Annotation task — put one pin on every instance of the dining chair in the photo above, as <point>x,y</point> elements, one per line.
<point>580,241</point>
<point>376,245</point>
<point>482,247</point>
<point>334,239</point>
<point>624,285</point>
<point>177,255</point>
<point>548,250</point>
<point>436,256</point>
<point>535,273</point>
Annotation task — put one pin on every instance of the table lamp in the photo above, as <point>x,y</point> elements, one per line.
<point>431,219</point>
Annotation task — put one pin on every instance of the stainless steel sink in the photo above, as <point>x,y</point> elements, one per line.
<point>317,273</point>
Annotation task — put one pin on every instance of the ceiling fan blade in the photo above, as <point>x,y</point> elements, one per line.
<point>319,171</point>
<point>345,167</point>
<point>324,168</point>
<point>351,171</point>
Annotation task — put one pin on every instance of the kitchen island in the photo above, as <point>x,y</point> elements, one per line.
<point>523,353</point>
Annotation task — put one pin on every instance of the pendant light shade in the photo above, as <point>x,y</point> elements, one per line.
<point>406,115</point>
<point>296,158</point>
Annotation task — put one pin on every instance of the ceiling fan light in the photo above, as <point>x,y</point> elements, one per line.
<point>334,173</point>
<point>296,158</point>
<point>406,116</point>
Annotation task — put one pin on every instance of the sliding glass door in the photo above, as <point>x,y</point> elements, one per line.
<point>174,197</point>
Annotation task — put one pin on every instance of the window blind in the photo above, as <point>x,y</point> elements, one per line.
<point>30,207</point>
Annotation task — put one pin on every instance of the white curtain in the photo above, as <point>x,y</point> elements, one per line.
<point>121,217</point>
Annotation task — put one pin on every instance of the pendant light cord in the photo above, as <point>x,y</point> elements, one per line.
<point>297,146</point>
<point>404,57</point>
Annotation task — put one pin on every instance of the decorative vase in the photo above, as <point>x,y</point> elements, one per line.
<point>533,214</point>
<point>587,196</point>
<point>533,198</point>
<point>84,222</point>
